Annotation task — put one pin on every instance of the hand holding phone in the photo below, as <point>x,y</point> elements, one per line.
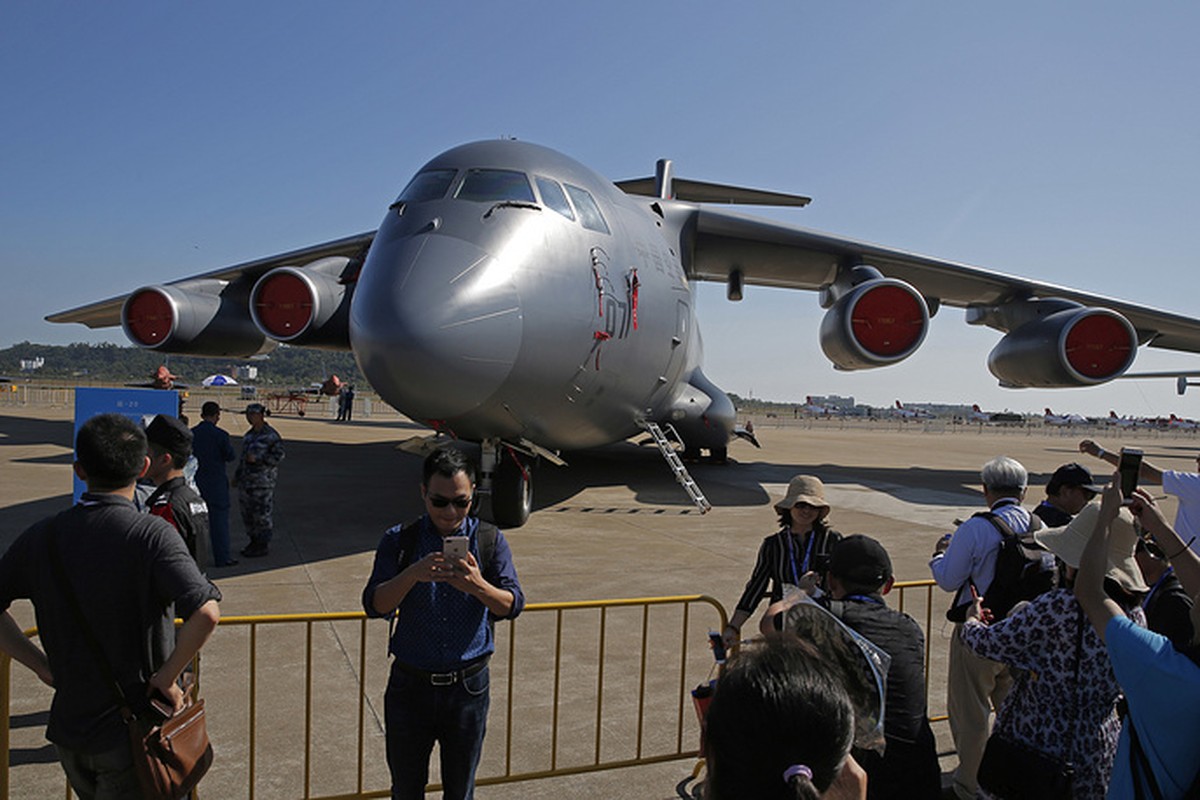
<point>455,548</point>
<point>1129,468</point>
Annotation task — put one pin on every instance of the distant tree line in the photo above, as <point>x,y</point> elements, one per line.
<point>110,363</point>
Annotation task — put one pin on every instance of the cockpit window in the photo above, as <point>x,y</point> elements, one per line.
<point>429,185</point>
<point>553,197</point>
<point>589,212</point>
<point>495,185</point>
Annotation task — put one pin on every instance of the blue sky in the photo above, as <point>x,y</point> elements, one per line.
<point>145,142</point>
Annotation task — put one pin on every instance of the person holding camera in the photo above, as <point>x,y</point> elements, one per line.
<point>1159,750</point>
<point>443,579</point>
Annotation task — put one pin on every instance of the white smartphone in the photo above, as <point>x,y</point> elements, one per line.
<point>455,547</point>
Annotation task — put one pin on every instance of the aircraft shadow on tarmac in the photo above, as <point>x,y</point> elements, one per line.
<point>336,499</point>
<point>24,432</point>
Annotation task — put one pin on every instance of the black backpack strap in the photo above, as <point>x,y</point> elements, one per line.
<point>408,548</point>
<point>408,544</point>
<point>1006,531</point>
<point>487,544</point>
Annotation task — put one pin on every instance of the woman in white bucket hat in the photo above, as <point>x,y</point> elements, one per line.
<point>801,546</point>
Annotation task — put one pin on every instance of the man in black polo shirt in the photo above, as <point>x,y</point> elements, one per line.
<point>860,574</point>
<point>1070,489</point>
<point>126,569</point>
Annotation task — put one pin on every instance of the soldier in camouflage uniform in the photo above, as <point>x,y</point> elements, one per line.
<point>257,471</point>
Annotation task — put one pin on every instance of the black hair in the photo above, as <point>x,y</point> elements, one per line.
<point>447,462</point>
<point>177,461</point>
<point>210,409</point>
<point>857,587</point>
<point>779,704</point>
<point>111,449</point>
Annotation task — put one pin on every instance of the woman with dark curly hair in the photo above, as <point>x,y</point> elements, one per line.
<point>1063,704</point>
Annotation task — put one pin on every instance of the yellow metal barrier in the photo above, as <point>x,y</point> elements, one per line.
<point>577,687</point>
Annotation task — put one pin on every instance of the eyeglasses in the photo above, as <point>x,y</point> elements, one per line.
<point>803,506</point>
<point>437,501</point>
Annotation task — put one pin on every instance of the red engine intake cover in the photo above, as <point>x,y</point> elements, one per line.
<point>283,304</point>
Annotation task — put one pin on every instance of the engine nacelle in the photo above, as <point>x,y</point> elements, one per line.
<point>1074,347</point>
<point>876,323</point>
<point>196,317</point>
<point>307,305</point>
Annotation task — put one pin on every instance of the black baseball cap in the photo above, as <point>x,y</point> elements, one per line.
<point>862,560</point>
<point>1072,475</point>
<point>170,434</point>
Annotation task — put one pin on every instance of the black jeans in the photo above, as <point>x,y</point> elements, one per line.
<point>417,714</point>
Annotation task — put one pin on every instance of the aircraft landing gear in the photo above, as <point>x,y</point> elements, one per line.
<point>512,488</point>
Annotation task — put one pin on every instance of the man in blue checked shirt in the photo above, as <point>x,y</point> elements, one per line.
<point>444,609</point>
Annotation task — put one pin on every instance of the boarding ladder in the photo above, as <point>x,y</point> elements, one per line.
<point>677,467</point>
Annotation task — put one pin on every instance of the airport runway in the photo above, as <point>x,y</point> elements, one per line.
<point>613,524</point>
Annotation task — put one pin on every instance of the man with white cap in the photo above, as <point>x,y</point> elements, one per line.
<point>964,562</point>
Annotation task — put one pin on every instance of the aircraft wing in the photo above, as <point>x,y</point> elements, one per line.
<point>107,313</point>
<point>776,254</point>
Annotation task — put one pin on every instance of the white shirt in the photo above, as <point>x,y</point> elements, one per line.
<point>1186,487</point>
<point>973,550</point>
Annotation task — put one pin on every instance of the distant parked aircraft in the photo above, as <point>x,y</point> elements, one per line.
<point>817,409</point>
<point>910,413</point>
<point>1178,424</point>
<point>1123,422</point>
<point>1063,419</point>
<point>979,415</point>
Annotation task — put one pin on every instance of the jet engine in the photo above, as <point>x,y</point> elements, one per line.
<point>1073,347</point>
<point>307,305</point>
<point>878,322</point>
<point>202,317</point>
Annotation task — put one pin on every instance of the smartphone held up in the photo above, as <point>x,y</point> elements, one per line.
<point>1129,468</point>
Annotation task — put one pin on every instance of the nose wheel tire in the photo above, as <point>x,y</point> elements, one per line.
<point>512,493</point>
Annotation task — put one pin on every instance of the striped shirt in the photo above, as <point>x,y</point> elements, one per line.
<point>782,559</point>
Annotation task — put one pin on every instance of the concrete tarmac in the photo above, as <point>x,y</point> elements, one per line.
<point>613,524</point>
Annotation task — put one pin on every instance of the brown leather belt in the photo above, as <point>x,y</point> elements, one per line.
<point>444,678</point>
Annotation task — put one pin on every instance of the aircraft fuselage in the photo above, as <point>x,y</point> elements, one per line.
<point>512,293</point>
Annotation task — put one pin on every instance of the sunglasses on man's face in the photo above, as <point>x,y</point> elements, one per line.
<point>437,501</point>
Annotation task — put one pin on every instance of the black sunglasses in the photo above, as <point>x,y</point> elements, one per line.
<point>437,501</point>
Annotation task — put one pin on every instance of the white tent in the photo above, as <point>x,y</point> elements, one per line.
<point>219,380</point>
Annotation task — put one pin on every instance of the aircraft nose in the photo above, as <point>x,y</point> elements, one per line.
<point>435,323</point>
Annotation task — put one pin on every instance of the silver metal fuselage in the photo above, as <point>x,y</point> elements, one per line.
<point>510,320</point>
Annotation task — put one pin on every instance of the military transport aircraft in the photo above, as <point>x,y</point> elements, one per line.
<point>514,297</point>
